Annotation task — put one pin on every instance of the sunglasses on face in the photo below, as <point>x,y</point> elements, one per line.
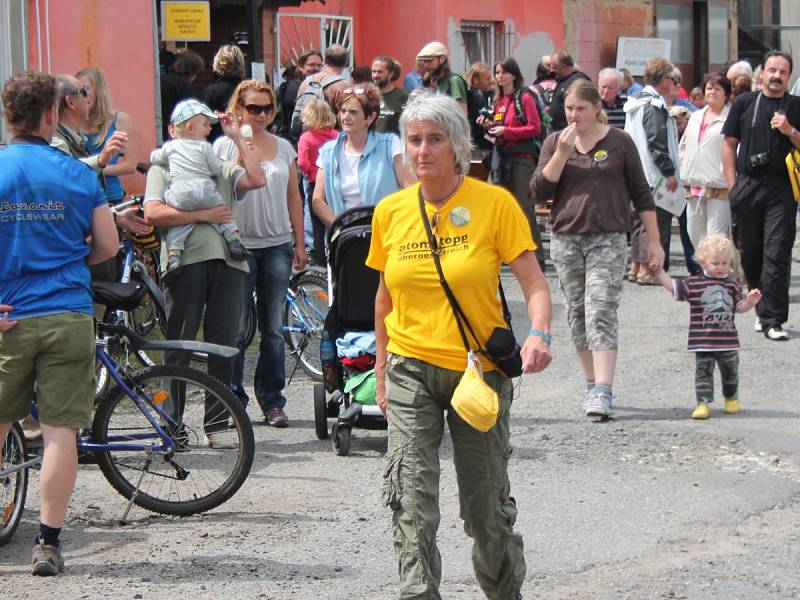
<point>257,109</point>
<point>83,91</point>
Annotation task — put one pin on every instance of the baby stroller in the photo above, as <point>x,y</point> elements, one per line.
<point>349,378</point>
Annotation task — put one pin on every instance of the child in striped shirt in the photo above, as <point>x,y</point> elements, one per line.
<point>714,298</point>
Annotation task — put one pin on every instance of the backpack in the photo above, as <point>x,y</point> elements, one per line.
<point>544,119</point>
<point>541,105</point>
<point>315,90</point>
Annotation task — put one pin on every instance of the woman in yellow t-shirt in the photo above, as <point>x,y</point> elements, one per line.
<point>421,356</point>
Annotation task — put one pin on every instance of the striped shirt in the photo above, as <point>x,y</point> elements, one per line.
<point>712,306</point>
<point>616,114</point>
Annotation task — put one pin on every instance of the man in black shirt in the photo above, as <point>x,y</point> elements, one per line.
<point>761,125</point>
<point>566,73</point>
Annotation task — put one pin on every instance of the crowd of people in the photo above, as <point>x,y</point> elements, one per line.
<point>248,181</point>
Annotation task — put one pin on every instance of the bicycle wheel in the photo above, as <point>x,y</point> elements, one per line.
<point>199,475</point>
<point>304,319</point>
<point>13,485</point>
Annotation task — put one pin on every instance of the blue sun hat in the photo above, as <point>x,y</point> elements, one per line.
<point>186,109</point>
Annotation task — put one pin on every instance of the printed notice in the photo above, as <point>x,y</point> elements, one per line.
<point>186,21</point>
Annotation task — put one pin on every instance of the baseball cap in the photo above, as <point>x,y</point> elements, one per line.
<point>186,109</point>
<point>432,50</point>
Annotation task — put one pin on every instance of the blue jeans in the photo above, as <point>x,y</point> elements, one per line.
<point>270,270</point>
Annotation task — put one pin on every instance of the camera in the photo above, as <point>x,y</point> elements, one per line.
<point>759,160</point>
<point>486,112</point>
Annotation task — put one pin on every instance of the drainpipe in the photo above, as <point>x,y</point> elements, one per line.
<point>255,49</point>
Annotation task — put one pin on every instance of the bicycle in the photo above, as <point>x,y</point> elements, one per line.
<point>304,318</point>
<point>149,435</point>
<point>140,266</point>
<point>304,312</point>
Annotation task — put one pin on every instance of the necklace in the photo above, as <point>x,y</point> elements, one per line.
<point>441,201</point>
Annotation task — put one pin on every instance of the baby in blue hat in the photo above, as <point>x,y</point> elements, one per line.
<point>192,164</point>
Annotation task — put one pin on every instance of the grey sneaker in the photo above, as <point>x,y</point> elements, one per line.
<point>597,405</point>
<point>277,418</point>
<point>47,560</point>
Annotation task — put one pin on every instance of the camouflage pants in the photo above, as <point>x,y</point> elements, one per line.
<point>419,396</point>
<point>728,361</point>
<point>590,268</point>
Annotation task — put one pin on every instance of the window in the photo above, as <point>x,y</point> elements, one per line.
<point>717,34</point>
<point>13,51</point>
<point>484,42</point>
<point>675,23</point>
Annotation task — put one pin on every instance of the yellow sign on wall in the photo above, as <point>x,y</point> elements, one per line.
<point>188,21</point>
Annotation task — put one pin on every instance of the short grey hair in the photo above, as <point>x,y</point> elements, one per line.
<point>610,72</point>
<point>65,87</point>
<point>742,67</point>
<point>447,114</point>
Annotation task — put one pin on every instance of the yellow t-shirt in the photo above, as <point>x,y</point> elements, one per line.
<point>479,227</point>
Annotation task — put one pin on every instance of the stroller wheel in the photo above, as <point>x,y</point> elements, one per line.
<point>341,439</point>
<point>320,411</point>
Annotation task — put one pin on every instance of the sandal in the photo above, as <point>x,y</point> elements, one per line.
<point>647,279</point>
<point>631,276</point>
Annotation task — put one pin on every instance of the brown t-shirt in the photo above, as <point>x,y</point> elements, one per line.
<point>596,189</point>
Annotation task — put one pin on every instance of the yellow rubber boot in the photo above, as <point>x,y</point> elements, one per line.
<point>731,406</point>
<point>703,411</point>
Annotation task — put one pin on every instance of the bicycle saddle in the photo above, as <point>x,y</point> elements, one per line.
<point>118,296</point>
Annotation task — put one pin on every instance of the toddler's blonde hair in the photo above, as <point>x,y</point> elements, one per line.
<point>717,244</point>
<point>318,115</point>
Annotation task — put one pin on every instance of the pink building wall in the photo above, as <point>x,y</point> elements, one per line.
<point>115,36</point>
<point>401,28</point>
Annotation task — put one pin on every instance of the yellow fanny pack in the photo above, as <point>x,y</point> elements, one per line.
<point>473,399</point>
<point>793,166</point>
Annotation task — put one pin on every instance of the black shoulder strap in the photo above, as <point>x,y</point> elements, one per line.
<point>458,313</point>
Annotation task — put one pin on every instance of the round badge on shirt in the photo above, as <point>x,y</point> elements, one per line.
<point>460,216</point>
<point>600,156</point>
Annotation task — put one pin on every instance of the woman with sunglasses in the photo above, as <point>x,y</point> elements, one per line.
<point>102,123</point>
<point>474,227</point>
<point>361,166</point>
<point>270,219</point>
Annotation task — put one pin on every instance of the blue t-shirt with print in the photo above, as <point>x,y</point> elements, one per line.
<point>46,203</point>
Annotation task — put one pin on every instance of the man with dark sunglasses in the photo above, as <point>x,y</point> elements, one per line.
<point>73,113</point>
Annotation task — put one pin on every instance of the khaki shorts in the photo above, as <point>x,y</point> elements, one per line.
<point>56,354</point>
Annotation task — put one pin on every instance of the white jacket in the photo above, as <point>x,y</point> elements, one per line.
<point>634,126</point>
<point>701,162</point>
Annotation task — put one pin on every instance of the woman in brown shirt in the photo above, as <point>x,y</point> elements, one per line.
<point>593,173</point>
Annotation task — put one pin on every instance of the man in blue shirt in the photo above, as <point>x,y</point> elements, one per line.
<point>50,204</point>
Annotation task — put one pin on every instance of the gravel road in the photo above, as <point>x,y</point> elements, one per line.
<point>648,505</point>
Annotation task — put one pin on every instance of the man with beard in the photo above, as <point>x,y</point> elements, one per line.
<point>385,71</point>
<point>759,132</point>
<point>439,76</point>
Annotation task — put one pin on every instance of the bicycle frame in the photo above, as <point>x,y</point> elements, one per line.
<point>305,326</point>
<point>143,405</point>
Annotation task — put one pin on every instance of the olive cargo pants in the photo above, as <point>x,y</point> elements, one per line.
<point>419,394</point>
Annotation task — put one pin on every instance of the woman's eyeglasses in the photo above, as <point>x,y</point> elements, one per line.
<point>257,109</point>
